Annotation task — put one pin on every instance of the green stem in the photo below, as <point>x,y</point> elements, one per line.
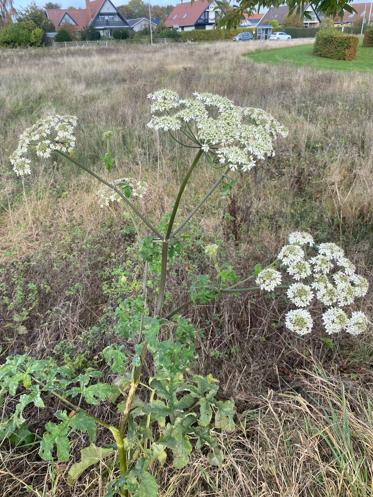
<point>116,190</point>
<point>180,193</point>
<point>165,243</point>
<point>200,204</point>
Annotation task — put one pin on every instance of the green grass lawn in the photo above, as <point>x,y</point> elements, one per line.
<point>302,56</point>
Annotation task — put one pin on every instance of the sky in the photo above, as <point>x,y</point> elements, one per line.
<point>20,4</point>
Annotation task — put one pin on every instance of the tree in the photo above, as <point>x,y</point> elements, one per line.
<point>52,5</point>
<point>294,20</point>
<point>234,14</point>
<point>63,35</point>
<point>37,16</point>
<point>6,11</point>
<point>134,8</point>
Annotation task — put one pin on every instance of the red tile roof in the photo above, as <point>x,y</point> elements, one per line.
<point>186,14</point>
<point>82,17</point>
<point>253,17</point>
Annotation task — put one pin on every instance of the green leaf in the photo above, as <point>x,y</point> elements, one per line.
<point>88,457</point>
<point>257,269</point>
<point>82,422</point>
<point>55,435</point>
<point>215,457</point>
<point>147,486</point>
<point>115,358</point>
<point>205,412</point>
<point>224,415</point>
<point>108,161</point>
<point>181,452</point>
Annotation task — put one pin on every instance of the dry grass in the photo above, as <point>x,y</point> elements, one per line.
<point>305,406</point>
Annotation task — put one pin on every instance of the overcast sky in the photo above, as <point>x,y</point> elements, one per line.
<point>20,4</point>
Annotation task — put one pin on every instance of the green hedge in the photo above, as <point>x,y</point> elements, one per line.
<point>333,44</point>
<point>300,32</point>
<point>368,37</point>
<point>211,34</point>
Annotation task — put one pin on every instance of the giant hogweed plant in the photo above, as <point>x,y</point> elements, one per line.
<point>168,412</point>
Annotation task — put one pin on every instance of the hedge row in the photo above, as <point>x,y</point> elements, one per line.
<point>300,32</point>
<point>368,37</point>
<point>211,34</point>
<point>333,44</point>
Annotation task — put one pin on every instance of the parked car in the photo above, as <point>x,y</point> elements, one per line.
<point>244,36</point>
<point>280,36</point>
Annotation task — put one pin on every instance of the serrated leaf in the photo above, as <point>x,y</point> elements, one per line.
<point>82,422</point>
<point>56,435</point>
<point>88,457</point>
<point>257,269</point>
<point>115,358</point>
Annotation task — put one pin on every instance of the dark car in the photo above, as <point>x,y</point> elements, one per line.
<point>244,36</point>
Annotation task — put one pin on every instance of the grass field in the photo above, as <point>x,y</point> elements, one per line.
<point>302,56</point>
<point>304,425</point>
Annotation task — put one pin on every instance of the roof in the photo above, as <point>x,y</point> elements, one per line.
<point>362,10</point>
<point>276,13</point>
<point>132,22</point>
<point>253,17</point>
<point>186,14</point>
<point>82,17</point>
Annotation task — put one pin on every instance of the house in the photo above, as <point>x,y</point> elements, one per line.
<point>310,19</point>
<point>251,21</point>
<point>364,11</point>
<point>199,14</point>
<point>101,15</point>
<point>142,23</point>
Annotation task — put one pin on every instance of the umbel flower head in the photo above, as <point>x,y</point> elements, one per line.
<point>130,188</point>
<point>236,136</point>
<point>322,280</point>
<point>48,135</point>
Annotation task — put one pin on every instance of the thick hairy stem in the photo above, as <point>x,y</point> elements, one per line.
<point>162,283</point>
<point>116,190</point>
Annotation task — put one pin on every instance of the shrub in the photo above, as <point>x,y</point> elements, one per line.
<point>16,34</point>
<point>121,34</point>
<point>333,44</point>
<point>63,35</point>
<point>90,34</point>
<point>36,37</point>
<point>170,33</point>
<point>302,32</point>
<point>368,37</point>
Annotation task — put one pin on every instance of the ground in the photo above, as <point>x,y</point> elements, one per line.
<point>304,404</point>
<point>302,56</point>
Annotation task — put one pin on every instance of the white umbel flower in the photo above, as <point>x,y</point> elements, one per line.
<point>321,264</point>
<point>358,323</point>
<point>360,285</point>
<point>268,279</point>
<point>335,320</point>
<point>299,321</point>
<point>300,295</point>
<point>331,250</point>
<point>51,134</point>
<point>289,254</point>
<point>299,270</point>
<point>235,136</point>
<point>301,238</point>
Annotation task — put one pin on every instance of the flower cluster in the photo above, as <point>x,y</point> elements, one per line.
<point>325,279</point>
<point>129,187</point>
<point>237,136</point>
<point>54,133</point>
